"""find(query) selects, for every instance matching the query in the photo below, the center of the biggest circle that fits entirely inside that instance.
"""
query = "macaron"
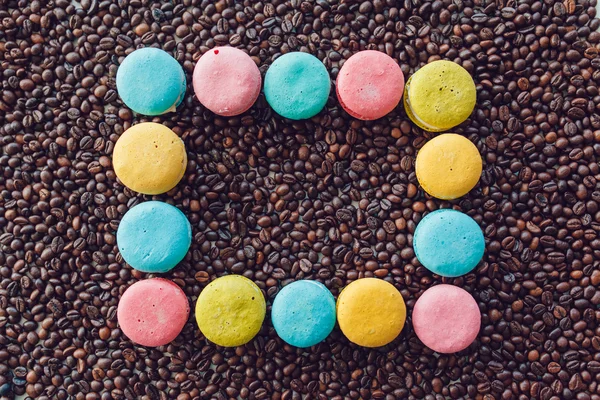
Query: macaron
(154, 237)
(153, 312)
(303, 313)
(446, 319)
(151, 82)
(371, 312)
(369, 85)
(448, 243)
(149, 158)
(226, 81)
(230, 310)
(448, 166)
(439, 96)
(297, 85)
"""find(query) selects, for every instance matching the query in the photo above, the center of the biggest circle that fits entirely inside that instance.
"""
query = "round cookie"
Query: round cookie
(149, 158)
(448, 166)
(226, 81)
(303, 313)
(153, 312)
(230, 310)
(369, 85)
(439, 96)
(446, 319)
(448, 243)
(371, 312)
(150, 81)
(297, 85)
(154, 237)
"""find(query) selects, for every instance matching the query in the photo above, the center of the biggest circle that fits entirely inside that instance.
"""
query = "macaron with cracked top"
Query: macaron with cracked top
(151, 82)
(371, 312)
(446, 318)
(448, 166)
(226, 81)
(369, 85)
(152, 312)
(439, 96)
(297, 85)
(149, 158)
(154, 237)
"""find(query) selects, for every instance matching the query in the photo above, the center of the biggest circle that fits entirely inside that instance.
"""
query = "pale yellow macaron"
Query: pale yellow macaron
(371, 312)
(149, 158)
(448, 166)
(230, 310)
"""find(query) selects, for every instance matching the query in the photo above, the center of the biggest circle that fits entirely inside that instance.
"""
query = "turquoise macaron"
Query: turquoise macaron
(303, 313)
(154, 237)
(297, 86)
(151, 82)
(448, 243)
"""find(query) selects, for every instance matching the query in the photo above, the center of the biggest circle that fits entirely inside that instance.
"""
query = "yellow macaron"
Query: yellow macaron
(448, 166)
(371, 312)
(149, 158)
(439, 96)
(230, 310)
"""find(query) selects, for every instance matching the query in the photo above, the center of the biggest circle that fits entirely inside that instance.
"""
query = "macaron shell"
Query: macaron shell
(153, 312)
(149, 158)
(371, 312)
(230, 310)
(154, 237)
(448, 166)
(369, 85)
(151, 82)
(303, 313)
(446, 319)
(297, 86)
(440, 96)
(226, 81)
(448, 243)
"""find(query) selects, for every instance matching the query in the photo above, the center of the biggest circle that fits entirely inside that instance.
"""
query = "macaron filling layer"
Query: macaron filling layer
(414, 116)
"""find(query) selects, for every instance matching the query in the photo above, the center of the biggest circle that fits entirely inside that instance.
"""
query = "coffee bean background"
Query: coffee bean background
(331, 198)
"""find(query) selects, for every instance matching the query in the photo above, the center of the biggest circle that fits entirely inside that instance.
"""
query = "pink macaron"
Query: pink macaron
(226, 81)
(153, 312)
(369, 85)
(446, 318)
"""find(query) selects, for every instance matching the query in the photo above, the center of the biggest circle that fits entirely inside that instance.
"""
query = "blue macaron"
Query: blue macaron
(151, 82)
(303, 313)
(297, 85)
(448, 243)
(154, 237)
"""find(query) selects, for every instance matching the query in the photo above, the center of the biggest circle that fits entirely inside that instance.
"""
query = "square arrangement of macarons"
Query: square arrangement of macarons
(153, 237)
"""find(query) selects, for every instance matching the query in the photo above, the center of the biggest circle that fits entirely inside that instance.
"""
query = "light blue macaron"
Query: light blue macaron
(448, 243)
(150, 81)
(154, 237)
(297, 85)
(303, 313)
